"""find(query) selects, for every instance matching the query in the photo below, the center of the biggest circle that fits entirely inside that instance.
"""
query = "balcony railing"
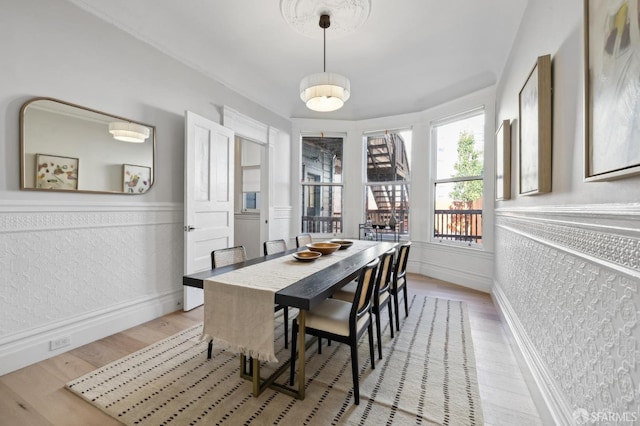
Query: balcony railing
(458, 225)
(322, 224)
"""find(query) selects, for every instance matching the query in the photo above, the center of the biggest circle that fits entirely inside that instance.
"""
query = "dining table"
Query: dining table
(239, 302)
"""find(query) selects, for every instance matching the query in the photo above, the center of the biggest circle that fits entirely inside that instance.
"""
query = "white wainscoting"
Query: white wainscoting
(567, 281)
(247, 233)
(83, 271)
(467, 267)
(281, 224)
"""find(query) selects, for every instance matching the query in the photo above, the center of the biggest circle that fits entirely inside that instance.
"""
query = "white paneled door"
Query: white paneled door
(208, 196)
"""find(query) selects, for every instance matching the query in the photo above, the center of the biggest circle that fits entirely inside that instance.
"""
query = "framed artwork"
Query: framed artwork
(534, 104)
(503, 161)
(55, 172)
(136, 179)
(612, 104)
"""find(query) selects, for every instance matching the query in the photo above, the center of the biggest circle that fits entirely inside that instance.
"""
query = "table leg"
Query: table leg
(259, 384)
(256, 377)
(301, 352)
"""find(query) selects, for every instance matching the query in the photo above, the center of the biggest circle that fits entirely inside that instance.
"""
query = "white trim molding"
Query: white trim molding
(31, 216)
(245, 126)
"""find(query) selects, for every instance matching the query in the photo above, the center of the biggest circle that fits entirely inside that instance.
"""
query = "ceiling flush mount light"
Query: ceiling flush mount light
(128, 132)
(325, 91)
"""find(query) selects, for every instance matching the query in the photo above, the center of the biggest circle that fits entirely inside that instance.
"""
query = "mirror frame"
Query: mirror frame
(85, 191)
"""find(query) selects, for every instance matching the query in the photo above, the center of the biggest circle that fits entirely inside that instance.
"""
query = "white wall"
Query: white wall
(461, 265)
(89, 265)
(567, 263)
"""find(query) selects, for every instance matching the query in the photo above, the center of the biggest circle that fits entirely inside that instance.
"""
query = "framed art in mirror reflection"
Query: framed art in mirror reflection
(136, 179)
(56, 172)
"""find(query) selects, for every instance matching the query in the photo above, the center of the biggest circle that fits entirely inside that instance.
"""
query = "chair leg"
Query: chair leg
(390, 317)
(294, 340)
(379, 333)
(209, 349)
(319, 346)
(354, 371)
(371, 351)
(286, 327)
(406, 302)
(395, 305)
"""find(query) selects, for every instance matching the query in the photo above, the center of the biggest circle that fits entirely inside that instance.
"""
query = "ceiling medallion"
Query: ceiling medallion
(346, 16)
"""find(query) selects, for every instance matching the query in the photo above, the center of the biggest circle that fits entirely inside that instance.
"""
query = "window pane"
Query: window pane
(460, 147)
(321, 209)
(321, 159)
(387, 157)
(251, 200)
(458, 211)
(388, 205)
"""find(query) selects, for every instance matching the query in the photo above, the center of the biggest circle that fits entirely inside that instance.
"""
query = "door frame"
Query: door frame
(248, 128)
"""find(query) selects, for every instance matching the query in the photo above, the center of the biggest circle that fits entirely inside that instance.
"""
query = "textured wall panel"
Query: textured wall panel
(574, 288)
(55, 265)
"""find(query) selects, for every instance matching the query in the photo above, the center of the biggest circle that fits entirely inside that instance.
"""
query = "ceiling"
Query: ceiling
(408, 55)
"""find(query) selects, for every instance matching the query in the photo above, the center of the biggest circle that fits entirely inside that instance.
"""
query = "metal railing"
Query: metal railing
(458, 225)
(322, 224)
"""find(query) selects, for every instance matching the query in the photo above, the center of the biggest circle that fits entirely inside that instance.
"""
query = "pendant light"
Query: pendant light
(128, 132)
(325, 91)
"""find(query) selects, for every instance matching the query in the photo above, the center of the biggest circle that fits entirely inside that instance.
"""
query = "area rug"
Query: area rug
(427, 376)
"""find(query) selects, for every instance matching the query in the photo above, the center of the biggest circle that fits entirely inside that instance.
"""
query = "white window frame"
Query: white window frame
(365, 182)
(340, 184)
(472, 112)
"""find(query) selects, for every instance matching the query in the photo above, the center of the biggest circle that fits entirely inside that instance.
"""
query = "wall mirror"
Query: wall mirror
(66, 147)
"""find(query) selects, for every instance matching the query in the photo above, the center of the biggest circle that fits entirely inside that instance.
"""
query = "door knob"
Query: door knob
(189, 228)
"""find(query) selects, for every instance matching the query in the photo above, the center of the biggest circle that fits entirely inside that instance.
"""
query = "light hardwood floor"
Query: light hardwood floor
(35, 395)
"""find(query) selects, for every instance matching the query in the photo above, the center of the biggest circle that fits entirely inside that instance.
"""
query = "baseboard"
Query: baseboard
(552, 406)
(458, 277)
(464, 266)
(30, 346)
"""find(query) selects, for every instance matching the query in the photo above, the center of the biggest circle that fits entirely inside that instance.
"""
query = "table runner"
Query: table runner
(238, 305)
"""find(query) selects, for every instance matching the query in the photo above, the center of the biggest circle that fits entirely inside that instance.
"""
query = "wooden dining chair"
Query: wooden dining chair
(273, 247)
(229, 256)
(381, 294)
(399, 281)
(225, 257)
(303, 239)
(343, 322)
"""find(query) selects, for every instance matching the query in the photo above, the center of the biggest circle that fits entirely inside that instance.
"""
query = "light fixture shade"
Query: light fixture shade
(325, 91)
(128, 132)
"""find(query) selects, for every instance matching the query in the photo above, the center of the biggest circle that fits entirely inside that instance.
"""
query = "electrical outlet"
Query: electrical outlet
(60, 342)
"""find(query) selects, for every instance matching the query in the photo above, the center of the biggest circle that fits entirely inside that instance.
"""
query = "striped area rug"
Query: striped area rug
(427, 376)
